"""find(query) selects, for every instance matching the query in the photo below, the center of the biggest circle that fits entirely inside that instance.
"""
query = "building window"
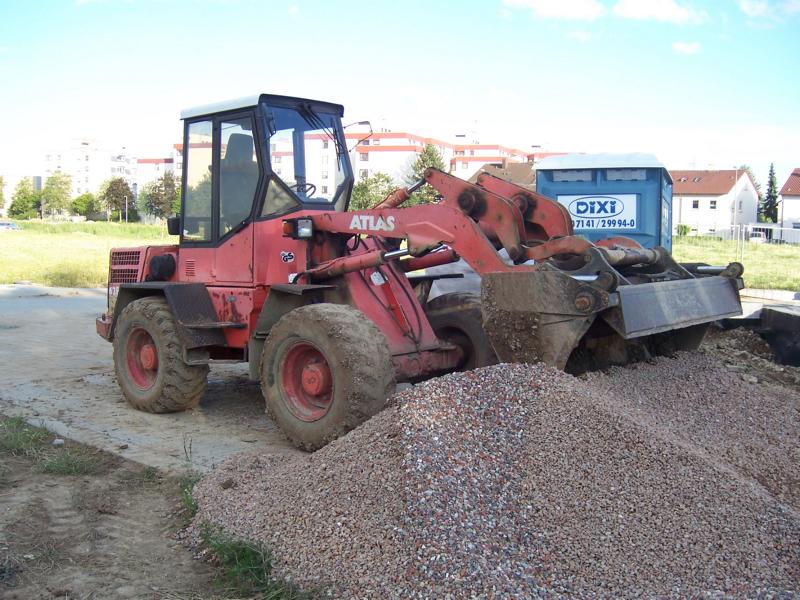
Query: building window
(465, 165)
(276, 159)
(713, 204)
(324, 144)
(695, 203)
(376, 142)
(365, 142)
(325, 159)
(472, 152)
(363, 156)
(363, 173)
(324, 189)
(740, 205)
(459, 153)
(277, 171)
(324, 174)
(795, 225)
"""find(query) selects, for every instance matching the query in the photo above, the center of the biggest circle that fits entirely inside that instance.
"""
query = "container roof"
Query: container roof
(599, 161)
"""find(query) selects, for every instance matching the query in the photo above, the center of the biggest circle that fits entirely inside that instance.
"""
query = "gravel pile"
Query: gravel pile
(522, 481)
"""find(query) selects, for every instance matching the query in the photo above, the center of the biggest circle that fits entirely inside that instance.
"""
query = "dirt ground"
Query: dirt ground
(105, 535)
(59, 372)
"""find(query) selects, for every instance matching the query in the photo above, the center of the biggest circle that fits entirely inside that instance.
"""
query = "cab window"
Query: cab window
(238, 173)
(197, 169)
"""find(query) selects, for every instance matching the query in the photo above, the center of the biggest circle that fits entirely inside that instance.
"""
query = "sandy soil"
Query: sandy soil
(59, 372)
(108, 535)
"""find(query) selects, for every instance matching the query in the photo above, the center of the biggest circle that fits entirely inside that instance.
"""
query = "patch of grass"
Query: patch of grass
(768, 266)
(144, 477)
(17, 438)
(246, 568)
(186, 486)
(70, 254)
(69, 461)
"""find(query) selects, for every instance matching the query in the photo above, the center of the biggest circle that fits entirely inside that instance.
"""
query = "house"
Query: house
(789, 207)
(713, 201)
(521, 174)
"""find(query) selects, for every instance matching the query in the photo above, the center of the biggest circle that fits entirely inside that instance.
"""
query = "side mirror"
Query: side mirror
(174, 225)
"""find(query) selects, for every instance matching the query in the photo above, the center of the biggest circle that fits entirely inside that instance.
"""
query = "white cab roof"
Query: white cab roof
(226, 105)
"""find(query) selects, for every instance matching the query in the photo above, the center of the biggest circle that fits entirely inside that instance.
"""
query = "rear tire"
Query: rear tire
(148, 359)
(325, 369)
(457, 318)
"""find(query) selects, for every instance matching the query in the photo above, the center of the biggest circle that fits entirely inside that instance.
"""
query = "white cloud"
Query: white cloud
(581, 36)
(686, 47)
(761, 11)
(668, 11)
(754, 8)
(293, 10)
(790, 7)
(575, 10)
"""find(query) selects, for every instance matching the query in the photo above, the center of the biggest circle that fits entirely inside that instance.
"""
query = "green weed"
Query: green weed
(17, 438)
(69, 461)
(246, 568)
(145, 477)
(186, 486)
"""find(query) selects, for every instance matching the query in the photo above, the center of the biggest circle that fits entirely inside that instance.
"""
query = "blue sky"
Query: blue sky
(700, 84)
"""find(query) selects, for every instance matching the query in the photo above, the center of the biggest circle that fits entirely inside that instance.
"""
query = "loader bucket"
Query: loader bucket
(544, 316)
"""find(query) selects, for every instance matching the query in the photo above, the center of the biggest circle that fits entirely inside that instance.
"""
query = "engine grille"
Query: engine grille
(125, 266)
(125, 257)
(124, 275)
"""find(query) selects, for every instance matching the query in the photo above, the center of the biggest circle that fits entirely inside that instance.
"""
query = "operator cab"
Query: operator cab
(260, 158)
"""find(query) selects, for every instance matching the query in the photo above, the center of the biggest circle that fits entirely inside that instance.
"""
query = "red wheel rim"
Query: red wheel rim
(141, 358)
(307, 382)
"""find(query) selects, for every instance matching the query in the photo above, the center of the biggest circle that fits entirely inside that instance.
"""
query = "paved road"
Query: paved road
(58, 372)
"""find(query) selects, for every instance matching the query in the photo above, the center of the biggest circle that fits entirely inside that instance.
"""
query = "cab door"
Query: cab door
(221, 177)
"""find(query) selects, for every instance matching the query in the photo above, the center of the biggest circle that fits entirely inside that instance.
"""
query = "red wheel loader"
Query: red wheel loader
(330, 308)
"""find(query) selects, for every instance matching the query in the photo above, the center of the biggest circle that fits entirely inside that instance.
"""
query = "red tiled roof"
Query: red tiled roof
(704, 183)
(792, 185)
(154, 161)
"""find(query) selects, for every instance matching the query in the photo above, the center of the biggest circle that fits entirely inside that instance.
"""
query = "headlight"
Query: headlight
(302, 229)
(305, 228)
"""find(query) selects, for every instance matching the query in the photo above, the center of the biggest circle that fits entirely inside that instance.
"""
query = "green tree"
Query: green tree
(56, 193)
(114, 195)
(429, 157)
(2, 194)
(25, 202)
(85, 205)
(371, 190)
(161, 195)
(768, 209)
(176, 205)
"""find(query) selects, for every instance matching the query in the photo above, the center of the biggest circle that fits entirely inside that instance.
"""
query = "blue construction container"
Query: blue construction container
(612, 194)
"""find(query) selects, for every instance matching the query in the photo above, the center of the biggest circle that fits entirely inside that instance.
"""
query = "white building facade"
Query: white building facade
(89, 165)
(393, 153)
(713, 201)
(789, 206)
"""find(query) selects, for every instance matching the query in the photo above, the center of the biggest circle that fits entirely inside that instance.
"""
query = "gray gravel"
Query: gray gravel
(522, 481)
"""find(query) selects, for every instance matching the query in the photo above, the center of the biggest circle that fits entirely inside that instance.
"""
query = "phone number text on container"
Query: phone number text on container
(604, 223)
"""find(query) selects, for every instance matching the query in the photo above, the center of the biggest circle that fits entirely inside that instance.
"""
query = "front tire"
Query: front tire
(325, 369)
(456, 318)
(148, 359)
